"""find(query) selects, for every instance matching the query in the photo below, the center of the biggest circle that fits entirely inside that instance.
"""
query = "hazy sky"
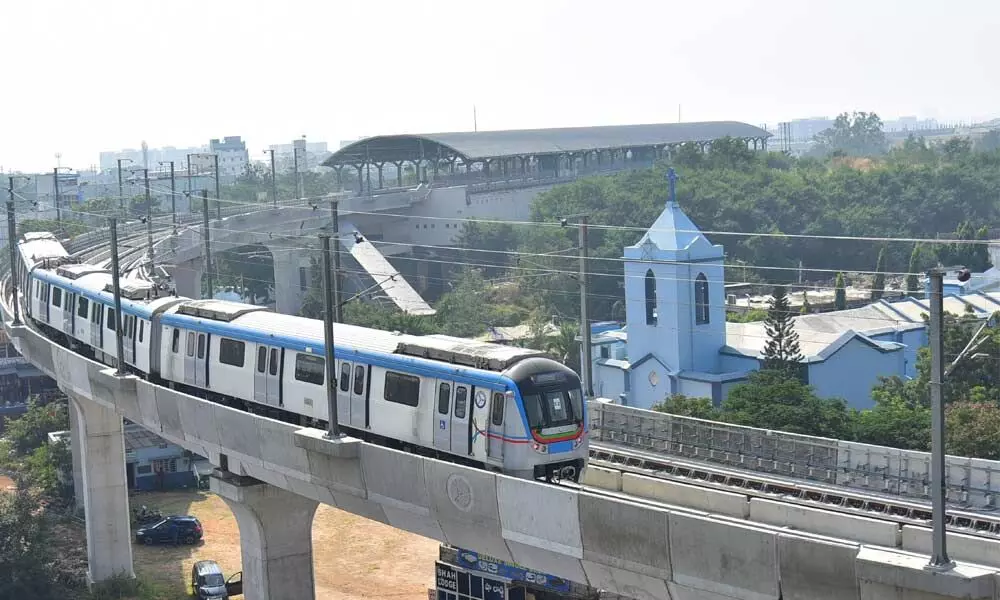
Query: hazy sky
(81, 77)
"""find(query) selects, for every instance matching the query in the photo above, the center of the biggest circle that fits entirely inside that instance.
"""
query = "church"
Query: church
(676, 339)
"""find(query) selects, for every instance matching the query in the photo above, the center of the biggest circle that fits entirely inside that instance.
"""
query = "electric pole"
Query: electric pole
(207, 237)
(335, 216)
(274, 181)
(586, 363)
(333, 425)
(115, 276)
(218, 195)
(149, 225)
(295, 165)
(55, 183)
(173, 196)
(12, 246)
(121, 189)
(939, 548)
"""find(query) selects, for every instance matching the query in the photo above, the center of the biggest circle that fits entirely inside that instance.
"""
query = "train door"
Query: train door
(496, 426)
(128, 344)
(69, 308)
(275, 362)
(46, 307)
(461, 434)
(201, 361)
(190, 365)
(81, 324)
(442, 418)
(358, 404)
(480, 422)
(344, 393)
(95, 325)
(267, 376)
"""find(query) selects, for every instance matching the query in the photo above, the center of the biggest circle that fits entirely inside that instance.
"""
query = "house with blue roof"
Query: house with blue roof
(676, 339)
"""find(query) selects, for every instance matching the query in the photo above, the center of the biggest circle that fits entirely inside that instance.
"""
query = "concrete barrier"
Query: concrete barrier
(824, 522)
(606, 479)
(713, 501)
(816, 569)
(970, 548)
(895, 575)
(724, 558)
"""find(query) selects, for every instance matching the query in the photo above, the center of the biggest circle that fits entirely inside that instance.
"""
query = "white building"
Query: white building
(109, 159)
(233, 156)
(310, 155)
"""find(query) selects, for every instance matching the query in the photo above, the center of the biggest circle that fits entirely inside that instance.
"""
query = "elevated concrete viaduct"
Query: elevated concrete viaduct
(273, 474)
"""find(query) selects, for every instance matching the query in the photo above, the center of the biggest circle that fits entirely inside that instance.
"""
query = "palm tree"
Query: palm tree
(564, 345)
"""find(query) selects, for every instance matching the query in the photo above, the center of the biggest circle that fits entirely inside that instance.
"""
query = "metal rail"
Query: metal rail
(757, 485)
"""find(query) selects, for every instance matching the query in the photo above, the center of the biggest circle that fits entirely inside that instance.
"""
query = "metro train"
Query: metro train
(506, 409)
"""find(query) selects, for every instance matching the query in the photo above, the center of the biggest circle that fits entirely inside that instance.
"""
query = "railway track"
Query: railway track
(756, 485)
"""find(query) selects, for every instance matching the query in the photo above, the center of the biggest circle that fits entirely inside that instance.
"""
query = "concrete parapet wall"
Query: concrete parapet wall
(970, 482)
(599, 477)
(712, 501)
(968, 548)
(825, 522)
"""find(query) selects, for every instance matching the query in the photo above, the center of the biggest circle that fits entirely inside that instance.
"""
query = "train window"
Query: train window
(402, 389)
(201, 345)
(190, 344)
(81, 308)
(359, 379)
(261, 358)
(231, 352)
(461, 401)
(309, 368)
(498, 402)
(110, 321)
(141, 329)
(345, 376)
(273, 368)
(444, 398)
(175, 343)
(56, 297)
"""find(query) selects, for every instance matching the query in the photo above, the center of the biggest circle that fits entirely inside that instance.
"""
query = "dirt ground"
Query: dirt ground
(354, 558)
(6, 483)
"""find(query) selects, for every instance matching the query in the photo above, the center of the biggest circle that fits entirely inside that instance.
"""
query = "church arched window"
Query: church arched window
(701, 299)
(650, 298)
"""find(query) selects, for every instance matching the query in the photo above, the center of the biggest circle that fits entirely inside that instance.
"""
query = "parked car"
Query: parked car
(208, 582)
(188, 529)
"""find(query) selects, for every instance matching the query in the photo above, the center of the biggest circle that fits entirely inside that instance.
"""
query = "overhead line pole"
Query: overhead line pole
(115, 279)
(12, 246)
(333, 425)
(207, 237)
(149, 225)
(218, 195)
(586, 363)
(939, 547)
(337, 283)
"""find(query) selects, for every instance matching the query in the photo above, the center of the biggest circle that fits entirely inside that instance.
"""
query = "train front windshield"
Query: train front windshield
(552, 400)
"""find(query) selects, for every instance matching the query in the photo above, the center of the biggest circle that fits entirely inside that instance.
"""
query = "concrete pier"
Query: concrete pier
(101, 449)
(275, 537)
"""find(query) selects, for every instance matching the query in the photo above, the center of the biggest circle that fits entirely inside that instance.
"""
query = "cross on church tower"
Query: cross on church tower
(672, 178)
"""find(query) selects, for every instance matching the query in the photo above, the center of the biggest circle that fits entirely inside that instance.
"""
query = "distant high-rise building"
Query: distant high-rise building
(152, 156)
(310, 154)
(233, 156)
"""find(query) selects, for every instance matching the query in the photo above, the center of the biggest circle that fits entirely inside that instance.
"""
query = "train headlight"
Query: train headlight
(540, 448)
(578, 441)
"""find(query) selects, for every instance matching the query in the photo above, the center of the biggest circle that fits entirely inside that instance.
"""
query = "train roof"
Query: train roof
(97, 286)
(39, 246)
(308, 334)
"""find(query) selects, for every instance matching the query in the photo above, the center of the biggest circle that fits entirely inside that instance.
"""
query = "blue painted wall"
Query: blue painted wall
(853, 371)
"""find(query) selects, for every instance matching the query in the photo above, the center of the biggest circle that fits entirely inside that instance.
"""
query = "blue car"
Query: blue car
(174, 529)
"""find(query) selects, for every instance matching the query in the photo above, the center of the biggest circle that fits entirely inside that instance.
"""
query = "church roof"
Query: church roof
(673, 230)
(749, 339)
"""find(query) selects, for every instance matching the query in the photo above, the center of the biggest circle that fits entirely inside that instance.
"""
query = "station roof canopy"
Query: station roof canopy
(475, 146)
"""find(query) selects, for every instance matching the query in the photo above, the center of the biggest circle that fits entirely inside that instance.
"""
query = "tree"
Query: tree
(773, 400)
(31, 430)
(878, 287)
(912, 279)
(564, 345)
(858, 134)
(840, 293)
(973, 429)
(25, 549)
(686, 406)
(781, 352)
